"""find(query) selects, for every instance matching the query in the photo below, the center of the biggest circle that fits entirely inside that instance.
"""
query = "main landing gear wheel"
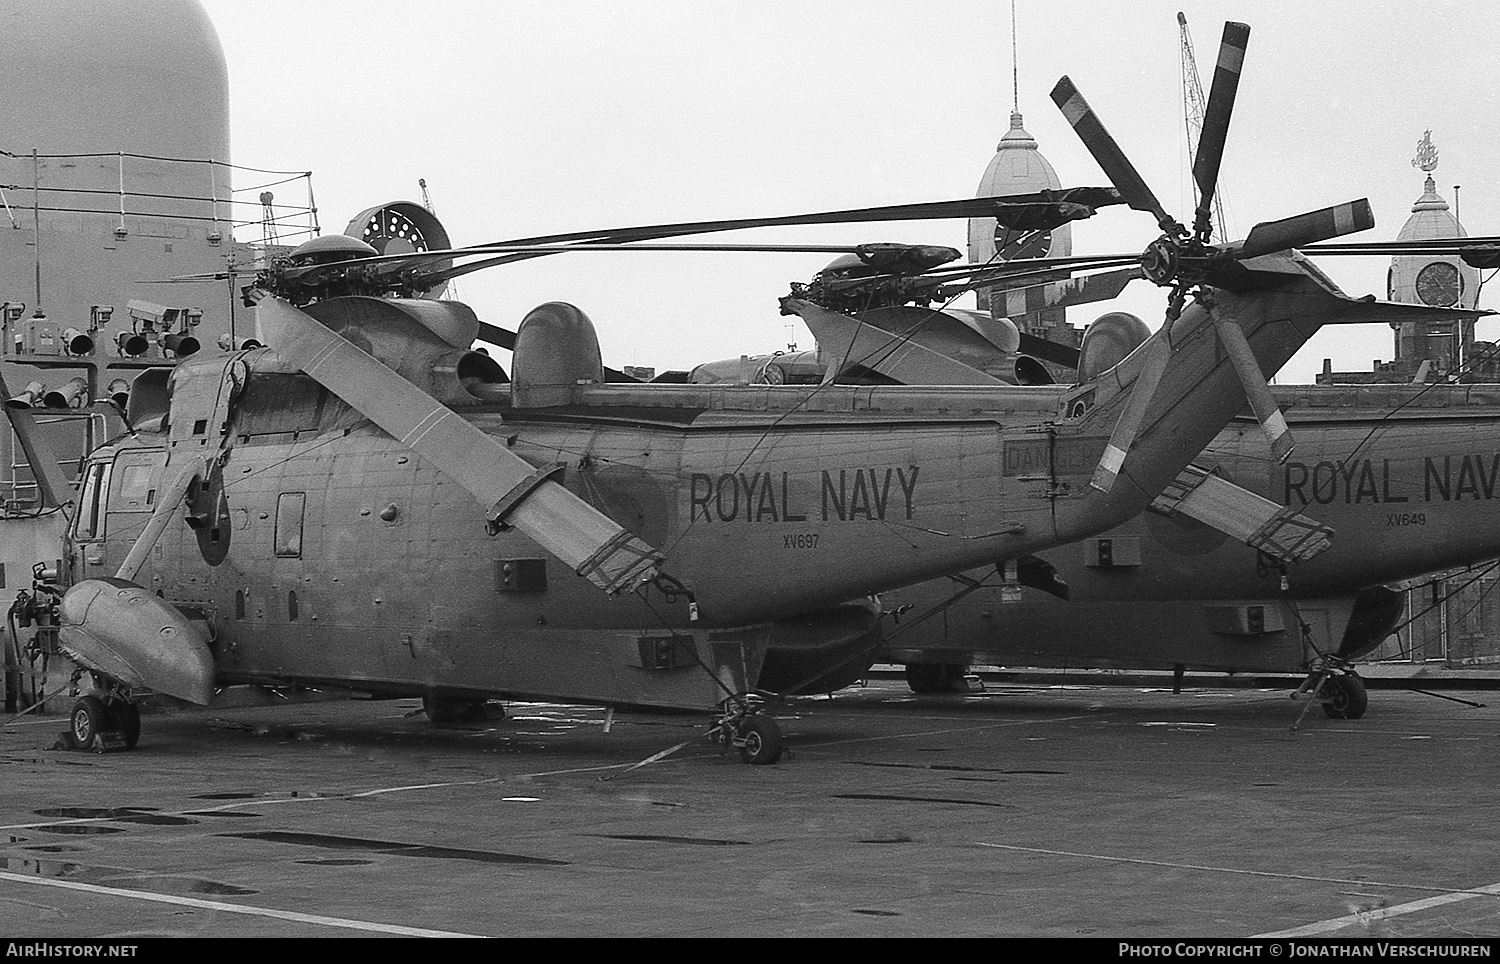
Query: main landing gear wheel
(1347, 699)
(740, 724)
(759, 740)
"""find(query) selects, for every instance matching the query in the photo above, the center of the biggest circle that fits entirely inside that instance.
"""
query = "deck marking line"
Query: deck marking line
(358, 925)
(1481, 892)
(948, 732)
(1381, 913)
(237, 805)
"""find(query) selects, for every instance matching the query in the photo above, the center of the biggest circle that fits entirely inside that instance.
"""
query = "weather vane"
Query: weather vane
(1427, 155)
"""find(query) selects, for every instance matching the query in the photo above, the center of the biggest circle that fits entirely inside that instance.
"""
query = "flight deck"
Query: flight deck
(1035, 810)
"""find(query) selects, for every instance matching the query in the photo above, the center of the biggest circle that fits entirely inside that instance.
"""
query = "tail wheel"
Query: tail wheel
(1347, 697)
(88, 719)
(762, 742)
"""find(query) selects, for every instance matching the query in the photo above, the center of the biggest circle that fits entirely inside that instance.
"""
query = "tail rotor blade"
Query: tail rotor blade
(1216, 116)
(1309, 228)
(1121, 173)
(1129, 425)
(1262, 402)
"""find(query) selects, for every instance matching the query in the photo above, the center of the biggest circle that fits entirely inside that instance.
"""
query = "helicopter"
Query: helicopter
(1235, 603)
(370, 504)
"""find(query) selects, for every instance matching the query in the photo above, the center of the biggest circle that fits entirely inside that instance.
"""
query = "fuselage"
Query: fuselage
(1405, 475)
(326, 551)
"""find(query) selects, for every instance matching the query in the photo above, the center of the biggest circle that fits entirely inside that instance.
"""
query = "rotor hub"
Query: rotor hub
(1161, 260)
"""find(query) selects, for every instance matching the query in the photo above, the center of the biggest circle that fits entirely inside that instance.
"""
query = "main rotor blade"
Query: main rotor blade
(1257, 389)
(1117, 167)
(1216, 115)
(1310, 228)
(1032, 272)
(1052, 351)
(1070, 202)
(1458, 246)
(1082, 290)
(515, 491)
(1159, 352)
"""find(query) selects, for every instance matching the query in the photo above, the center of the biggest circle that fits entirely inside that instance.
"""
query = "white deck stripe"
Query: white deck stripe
(287, 915)
(1381, 913)
(1479, 892)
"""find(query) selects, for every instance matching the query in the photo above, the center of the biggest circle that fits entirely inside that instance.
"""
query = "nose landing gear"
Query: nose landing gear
(103, 723)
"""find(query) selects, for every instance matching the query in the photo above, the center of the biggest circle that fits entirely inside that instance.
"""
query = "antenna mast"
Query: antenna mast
(451, 292)
(1193, 106)
(1015, 70)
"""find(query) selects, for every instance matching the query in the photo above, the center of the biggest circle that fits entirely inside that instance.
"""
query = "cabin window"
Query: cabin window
(91, 511)
(135, 481)
(291, 606)
(239, 604)
(133, 491)
(289, 510)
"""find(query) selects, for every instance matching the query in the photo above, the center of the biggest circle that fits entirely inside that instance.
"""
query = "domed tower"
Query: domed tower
(1438, 280)
(1019, 168)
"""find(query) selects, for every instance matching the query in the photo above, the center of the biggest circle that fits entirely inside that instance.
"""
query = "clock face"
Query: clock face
(1011, 244)
(1437, 284)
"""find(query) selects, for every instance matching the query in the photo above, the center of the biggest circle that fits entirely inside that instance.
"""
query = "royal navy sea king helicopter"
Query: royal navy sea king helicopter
(370, 504)
(1404, 474)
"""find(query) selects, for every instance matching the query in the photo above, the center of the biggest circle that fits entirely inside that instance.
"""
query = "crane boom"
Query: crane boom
(1193, 107)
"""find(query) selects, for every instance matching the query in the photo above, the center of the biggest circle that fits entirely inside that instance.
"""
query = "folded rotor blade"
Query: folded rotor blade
(1051, 351)
(1310, 228)
(912, 346)
(1257, 390)
(1216, 115)
(515, 491)
(1159, 352)
(496, 335)
(1117, 167)
(1082, 290)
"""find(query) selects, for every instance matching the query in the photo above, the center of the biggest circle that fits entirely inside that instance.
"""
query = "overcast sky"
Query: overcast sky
(529, 118)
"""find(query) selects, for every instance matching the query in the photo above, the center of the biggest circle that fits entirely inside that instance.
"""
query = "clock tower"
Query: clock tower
(1439, 280)
(1019, 168)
